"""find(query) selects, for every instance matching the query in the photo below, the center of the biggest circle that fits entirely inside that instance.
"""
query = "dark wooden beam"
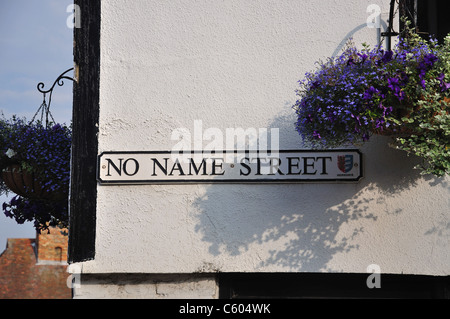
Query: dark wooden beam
(83, 194)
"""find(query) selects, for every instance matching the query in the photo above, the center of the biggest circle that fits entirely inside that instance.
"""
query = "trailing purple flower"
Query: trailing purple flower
(359, 93)
(45, 152)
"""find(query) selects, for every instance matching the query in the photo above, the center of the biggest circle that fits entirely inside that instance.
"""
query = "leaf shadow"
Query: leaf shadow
(298, 227)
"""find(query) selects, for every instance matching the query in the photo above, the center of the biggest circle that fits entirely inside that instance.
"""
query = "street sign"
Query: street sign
(286, 166)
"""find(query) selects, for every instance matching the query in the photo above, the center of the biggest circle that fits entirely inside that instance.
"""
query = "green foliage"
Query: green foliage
(429, 122)
(403, 93)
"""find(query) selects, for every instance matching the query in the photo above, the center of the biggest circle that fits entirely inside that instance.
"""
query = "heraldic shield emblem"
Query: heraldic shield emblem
(345, 163)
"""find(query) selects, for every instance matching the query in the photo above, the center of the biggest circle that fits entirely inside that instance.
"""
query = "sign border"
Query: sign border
(232, 181)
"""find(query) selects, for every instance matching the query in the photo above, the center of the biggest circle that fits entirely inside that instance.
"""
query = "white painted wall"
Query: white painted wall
(234, 63)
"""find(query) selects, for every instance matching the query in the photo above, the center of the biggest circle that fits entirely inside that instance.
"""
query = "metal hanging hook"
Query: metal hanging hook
(45, 108)
(390, 33)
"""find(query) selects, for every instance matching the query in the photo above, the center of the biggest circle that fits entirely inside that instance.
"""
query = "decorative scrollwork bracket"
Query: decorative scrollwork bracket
(44, 109)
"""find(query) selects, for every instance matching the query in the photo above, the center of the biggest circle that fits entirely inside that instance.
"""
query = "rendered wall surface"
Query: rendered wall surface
(235, 64)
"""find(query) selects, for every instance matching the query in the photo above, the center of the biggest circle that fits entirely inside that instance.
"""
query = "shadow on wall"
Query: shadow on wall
(299, 224)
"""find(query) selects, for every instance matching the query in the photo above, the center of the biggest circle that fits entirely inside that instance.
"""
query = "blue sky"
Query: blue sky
(36, 45)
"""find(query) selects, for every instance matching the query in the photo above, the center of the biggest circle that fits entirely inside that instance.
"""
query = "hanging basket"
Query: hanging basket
(400, 111)
(394, 132)
(408, 130)
(27, 184)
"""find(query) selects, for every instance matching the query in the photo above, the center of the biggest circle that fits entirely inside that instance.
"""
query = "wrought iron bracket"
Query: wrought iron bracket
(44, 109)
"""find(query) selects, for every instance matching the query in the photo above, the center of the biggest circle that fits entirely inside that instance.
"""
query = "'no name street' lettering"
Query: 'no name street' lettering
(229, 167)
